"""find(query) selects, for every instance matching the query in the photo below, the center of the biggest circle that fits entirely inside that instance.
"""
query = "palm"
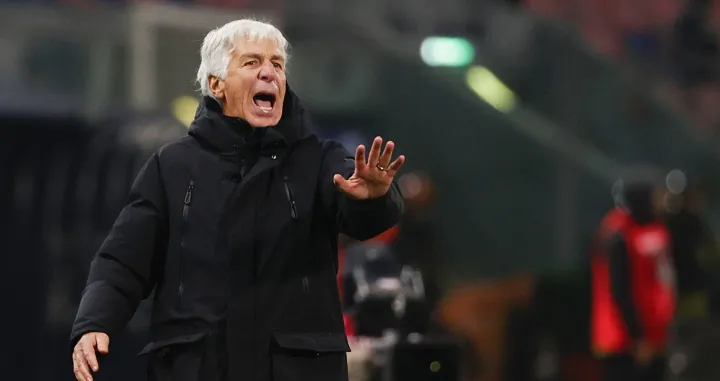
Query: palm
(372, 178)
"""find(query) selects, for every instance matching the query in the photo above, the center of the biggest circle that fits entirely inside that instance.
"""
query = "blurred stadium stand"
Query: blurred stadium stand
(68, 178)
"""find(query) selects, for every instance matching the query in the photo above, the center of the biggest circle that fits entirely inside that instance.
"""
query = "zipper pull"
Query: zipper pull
(188, 194)
(291, 199)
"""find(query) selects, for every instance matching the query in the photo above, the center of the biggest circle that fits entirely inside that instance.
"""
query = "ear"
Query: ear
(217, 87)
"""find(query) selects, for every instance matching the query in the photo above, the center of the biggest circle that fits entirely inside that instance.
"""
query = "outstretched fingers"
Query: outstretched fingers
(395, 166)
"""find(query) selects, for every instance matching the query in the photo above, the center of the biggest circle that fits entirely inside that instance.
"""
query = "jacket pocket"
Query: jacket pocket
(176, 359)
(309, 357)
(164, 346)
(290, 198)
(183, 239)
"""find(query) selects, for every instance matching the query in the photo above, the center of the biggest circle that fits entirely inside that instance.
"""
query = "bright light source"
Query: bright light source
(676, 181)
(447, 51)
(183, 108)
(491, 89)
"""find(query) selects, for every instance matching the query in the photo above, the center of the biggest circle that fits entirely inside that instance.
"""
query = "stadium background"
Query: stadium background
(520, 113)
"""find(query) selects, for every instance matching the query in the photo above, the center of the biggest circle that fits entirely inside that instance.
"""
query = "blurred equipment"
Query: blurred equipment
(389, 318)
(383, 294)
(413, 357)
(424, 359)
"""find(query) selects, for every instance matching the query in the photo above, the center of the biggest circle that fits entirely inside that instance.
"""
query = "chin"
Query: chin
(263, 120)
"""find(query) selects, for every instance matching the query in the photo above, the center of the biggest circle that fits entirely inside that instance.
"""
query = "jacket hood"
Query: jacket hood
(228, 133)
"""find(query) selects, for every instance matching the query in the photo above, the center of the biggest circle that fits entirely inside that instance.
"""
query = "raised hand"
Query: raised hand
(371, 179)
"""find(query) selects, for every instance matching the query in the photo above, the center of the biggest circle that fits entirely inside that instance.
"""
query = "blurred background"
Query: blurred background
(517, 117)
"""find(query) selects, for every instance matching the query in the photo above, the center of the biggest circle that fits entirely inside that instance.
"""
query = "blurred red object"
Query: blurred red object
(387, 237)
(349, 326)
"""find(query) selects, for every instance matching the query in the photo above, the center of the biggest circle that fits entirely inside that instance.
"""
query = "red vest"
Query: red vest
(652, 284)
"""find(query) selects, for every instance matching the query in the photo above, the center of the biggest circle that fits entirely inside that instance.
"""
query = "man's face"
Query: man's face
(254, 88)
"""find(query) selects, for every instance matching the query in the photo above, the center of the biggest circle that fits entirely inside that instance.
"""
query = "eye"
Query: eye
(251, 63)
(278, 65)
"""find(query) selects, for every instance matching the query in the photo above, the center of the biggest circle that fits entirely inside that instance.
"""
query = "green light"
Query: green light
(490, 88)
(447, 51)
(435, 366)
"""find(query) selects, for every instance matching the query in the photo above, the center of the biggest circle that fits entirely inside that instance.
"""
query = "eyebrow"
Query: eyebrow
(260, 57)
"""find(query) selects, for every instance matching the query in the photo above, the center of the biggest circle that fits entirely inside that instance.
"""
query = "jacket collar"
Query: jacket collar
(228, 134)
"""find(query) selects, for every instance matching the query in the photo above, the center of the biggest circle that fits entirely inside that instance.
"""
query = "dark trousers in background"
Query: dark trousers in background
(624, 368)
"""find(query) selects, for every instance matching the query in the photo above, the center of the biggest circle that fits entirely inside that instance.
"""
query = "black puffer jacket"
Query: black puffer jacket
(235, 229)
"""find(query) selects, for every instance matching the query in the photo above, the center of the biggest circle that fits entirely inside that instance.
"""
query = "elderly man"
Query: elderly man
(235, 229)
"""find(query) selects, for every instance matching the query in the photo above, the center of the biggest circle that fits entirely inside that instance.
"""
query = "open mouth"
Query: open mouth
(265, 101)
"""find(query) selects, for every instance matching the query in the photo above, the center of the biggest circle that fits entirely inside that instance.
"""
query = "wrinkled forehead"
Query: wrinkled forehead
(261, 47)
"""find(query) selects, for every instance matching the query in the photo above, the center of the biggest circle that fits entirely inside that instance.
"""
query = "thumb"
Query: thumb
(103, 343)
(340, 182)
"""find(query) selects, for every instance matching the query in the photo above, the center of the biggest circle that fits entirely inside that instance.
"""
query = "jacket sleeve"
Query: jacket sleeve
(359, 219)
(125, 269)
(620, 284)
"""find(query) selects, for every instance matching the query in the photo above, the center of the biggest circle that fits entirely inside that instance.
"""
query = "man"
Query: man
(633, 283)
(694, 251)
(235, 229)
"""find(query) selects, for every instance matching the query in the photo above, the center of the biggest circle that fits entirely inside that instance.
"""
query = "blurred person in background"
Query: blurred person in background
(235, 228)
(633, 294)
(694, 251)
(696, 55)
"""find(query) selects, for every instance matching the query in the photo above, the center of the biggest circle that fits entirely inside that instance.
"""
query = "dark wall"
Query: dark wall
(64, 181)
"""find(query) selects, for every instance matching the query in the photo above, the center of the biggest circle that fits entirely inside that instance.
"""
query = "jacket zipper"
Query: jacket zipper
(305, 285)
(183, 235)
(291, 199)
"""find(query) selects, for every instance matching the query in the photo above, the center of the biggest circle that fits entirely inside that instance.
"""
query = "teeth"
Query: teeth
(266, 109)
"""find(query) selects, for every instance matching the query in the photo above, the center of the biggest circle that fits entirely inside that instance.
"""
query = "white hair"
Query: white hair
(219, 43)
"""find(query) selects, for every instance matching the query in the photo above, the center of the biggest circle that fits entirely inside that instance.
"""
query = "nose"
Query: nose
(267, 73)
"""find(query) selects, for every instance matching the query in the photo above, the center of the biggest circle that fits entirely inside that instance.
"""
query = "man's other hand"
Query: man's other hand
(371, 179)
(84, 357)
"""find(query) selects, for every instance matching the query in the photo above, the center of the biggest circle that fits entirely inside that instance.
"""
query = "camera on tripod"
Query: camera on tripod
(386, 301)
(381, 294)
